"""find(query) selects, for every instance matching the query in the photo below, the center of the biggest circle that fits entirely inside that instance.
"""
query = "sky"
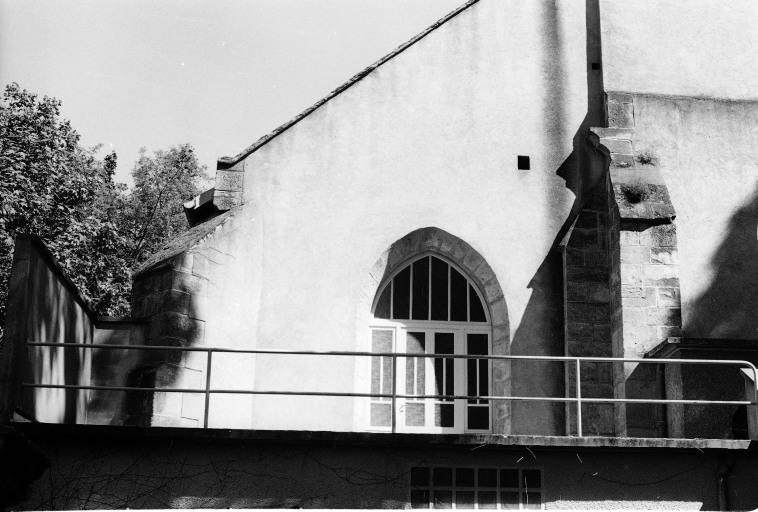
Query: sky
(218, 74)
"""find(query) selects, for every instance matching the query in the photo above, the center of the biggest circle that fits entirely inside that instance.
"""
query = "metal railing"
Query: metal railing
(578, 399)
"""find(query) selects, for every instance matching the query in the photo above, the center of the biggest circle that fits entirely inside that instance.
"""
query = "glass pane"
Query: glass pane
(443, 342)
(438, 377)
(443, 499)
(509, 500)
(439, 289)
(381, 341)
(464, 499)
(478, 418)
(532, 479)
(420, 499)
(487, 499)
(387, 376)
(509, 478)
(401, 294)
(381, 415)
(464, 477)
(420, 477)
(458, 285)
(444, 415)
(414, 414)
(414, 367)
(449, 377)
(484, 378)
(477, 310)
(416, 342)
(442, 477)
(532, 500)
(477, 344)
(383, 305)
(487, 477)
(471, 379)
(421, 289)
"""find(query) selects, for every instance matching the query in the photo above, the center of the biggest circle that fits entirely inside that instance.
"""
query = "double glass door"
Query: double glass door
(441, 375)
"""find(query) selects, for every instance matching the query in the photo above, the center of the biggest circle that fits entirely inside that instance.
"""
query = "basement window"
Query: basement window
(470, 488)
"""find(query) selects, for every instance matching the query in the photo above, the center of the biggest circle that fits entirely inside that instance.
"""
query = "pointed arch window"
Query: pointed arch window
(431, 307)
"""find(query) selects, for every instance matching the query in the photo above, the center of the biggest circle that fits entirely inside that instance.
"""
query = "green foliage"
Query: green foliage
(53, 188)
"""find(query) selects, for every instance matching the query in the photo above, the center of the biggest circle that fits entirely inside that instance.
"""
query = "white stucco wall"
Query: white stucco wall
(702, 48)
(430, 138)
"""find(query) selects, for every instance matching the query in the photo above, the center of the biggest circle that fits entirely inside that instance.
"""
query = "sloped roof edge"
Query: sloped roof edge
(225, 162)
(184, 242)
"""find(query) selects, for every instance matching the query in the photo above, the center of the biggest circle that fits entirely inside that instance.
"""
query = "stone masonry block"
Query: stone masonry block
(664, 316)
(639, 338)
(484, 273)
(492, 291)
(662, 275)
(669, 297)
(664, 255)
(645, 298)
(574, 256)
(229, 180)
(601, 333)
(177, 325)
(577, 291)
(622, 160)
(632, 275)
(620, 115)
(663, 235)
(595, 259)
(627, 237)
(599, 292)
(584, 238)
(226, 200)
(635, 254)
(620, 97)
(189, 283)
(634, 315)
(587, 274)
(618, 146)
(579, 331)
(632, 292)
(472, 261)
(590, 313)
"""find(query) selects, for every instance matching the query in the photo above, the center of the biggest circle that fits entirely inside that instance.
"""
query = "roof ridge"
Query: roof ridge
(225, 162)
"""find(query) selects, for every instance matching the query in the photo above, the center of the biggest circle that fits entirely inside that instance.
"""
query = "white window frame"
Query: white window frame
(460, 331)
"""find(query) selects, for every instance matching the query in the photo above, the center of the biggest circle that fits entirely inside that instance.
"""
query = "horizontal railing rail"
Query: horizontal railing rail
(578, 399)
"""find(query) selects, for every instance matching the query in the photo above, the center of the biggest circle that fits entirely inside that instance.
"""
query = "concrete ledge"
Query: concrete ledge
(475, 441)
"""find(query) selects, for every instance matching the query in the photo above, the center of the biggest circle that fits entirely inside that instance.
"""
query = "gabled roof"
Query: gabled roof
(225, 162)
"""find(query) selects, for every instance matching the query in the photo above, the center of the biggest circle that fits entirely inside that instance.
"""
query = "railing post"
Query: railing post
(207, 386)
(578, 399)
(394, 391)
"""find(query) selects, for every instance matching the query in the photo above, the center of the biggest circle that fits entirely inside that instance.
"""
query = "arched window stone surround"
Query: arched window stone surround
(437, 241)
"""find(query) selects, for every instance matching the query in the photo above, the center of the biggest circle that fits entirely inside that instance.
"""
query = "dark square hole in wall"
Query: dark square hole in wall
(523, 163)
(595, 66)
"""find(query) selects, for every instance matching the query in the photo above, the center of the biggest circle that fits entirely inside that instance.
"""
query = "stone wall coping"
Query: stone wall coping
(47, 430)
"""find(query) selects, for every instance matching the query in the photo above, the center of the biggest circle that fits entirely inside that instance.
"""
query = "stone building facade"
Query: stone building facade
(503, 185)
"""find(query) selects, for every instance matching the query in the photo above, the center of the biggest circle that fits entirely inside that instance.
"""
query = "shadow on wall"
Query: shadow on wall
(729, 307)
(541, 329)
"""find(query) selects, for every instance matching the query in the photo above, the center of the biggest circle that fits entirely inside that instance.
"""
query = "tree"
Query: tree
(52, 187)
(155, 213)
